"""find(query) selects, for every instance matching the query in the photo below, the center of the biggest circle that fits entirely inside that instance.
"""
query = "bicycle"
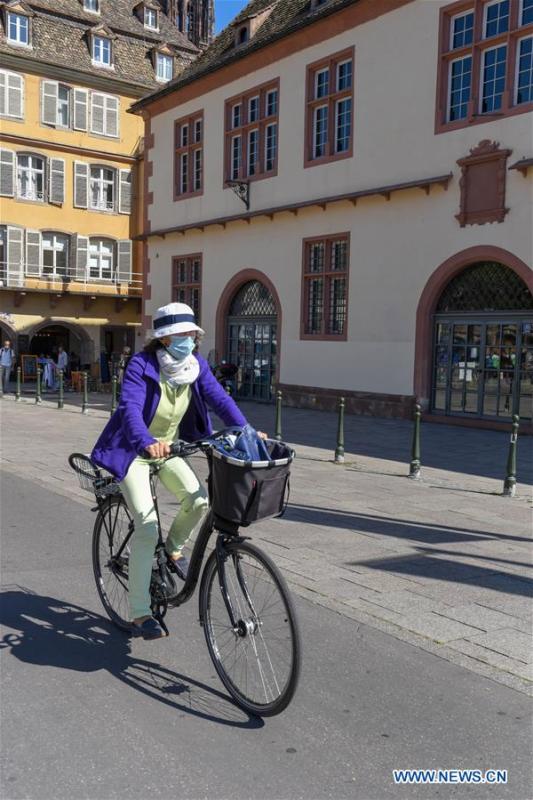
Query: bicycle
(245, 608)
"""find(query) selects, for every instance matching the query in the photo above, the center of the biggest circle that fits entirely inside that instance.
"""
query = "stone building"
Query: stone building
(350, 203)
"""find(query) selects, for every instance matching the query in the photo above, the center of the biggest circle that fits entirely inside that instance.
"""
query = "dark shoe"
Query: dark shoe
(150, 629)
(181, 566)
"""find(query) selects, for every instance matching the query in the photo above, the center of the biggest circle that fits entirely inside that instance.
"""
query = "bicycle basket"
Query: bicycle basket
(243, 492)
(91, 478)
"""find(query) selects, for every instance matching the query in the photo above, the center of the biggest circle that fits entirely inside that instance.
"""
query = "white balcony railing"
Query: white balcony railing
(16, 276)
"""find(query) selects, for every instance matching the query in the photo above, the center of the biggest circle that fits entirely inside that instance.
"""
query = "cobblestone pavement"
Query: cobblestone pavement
(444, 563)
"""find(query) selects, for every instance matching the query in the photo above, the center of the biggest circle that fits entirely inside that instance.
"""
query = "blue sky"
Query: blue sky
(225, 10)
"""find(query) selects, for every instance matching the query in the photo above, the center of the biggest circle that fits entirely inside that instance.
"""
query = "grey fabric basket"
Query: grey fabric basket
(244, 492)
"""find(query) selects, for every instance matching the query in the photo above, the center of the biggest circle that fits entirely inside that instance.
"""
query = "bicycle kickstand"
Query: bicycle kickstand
(159, 617)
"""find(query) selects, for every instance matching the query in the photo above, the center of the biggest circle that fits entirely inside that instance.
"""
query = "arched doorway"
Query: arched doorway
(252, 340)
(482, 362)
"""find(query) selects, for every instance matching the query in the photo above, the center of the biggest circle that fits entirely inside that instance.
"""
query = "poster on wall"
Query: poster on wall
(29, 368)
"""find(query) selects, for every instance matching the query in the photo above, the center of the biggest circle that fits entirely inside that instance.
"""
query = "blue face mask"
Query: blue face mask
(181, 346)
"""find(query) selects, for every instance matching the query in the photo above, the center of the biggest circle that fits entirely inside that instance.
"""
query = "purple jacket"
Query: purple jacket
(126, 435)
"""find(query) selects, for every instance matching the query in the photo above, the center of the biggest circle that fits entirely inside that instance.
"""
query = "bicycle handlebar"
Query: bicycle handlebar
(181, 448)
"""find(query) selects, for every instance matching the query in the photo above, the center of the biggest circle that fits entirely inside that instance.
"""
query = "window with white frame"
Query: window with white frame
(102, 189)
(493, 78)
(30, 177)
(164, 67)
(55, 254)
(101, 259)
(251, 132)
(330, 108)
(460, 82)
(189, 135)
(524, 77)
(18, 29)
(92, 5)
(150, 19)
(102, 51)
(485, 61)
(496, 18)
(63, 106)
(105, 110)
(11, 95)
(526, 12)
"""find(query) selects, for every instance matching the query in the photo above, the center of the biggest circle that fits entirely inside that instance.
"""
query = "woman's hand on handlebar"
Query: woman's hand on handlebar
(262, 435)
(158, 450)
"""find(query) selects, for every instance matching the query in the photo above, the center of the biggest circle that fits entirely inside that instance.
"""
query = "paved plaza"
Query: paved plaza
(444, 563)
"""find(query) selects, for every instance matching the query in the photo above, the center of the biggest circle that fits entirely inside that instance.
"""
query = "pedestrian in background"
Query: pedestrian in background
(123, 363)
(7, 363)
(62, 359)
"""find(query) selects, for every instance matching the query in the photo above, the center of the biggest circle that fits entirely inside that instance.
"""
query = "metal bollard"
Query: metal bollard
(18, 393)
(60, 402)
(114, 383)
(277, 433)
(85, 401)
(38, 398)
(339, 450)
(414, 468)
(509, 484)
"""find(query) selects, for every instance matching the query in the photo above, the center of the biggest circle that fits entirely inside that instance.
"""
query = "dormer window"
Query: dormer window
(92, 5)
(318, 3)
(101, 51)
(164, 67)
(244, 35)
(18, 25)
(246, 26)
(150, 18)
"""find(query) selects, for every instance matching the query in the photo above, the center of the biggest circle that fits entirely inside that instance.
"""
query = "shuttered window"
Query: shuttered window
(56, 189)
(80, 110)
(124, 261)
(33, 253)
(124, 199)
(31, 174)
(101, 259)
(102, 189)
(15, 256)
(81, 184)
(55, 255)
(104, 114)
(11, 95)
(7, 173)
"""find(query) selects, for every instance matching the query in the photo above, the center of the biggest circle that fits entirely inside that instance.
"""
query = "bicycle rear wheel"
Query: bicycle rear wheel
(111, 559)
(258, 660)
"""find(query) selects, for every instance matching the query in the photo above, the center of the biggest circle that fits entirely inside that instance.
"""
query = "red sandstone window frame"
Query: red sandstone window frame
(476, 49)
(190, 149)
(327, 274)
(243, 130)
(330, 63)
(191, 283)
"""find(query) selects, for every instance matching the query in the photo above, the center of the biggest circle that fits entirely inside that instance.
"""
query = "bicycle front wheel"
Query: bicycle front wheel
(258, 659)
(111, 552)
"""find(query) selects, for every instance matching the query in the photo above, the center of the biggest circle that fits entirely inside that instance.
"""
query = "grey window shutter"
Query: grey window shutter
(111, 116)
(11, 94)
(124, 194)
(124, 261)
(33, 253)
(15, 256)
(81, 184)
(97, 113)
(81, 255)
(3, 93)
(7, 173)
(81, 109)
(56, 191)
(49, 93)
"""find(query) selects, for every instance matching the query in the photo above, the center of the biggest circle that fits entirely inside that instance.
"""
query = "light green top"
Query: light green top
(170, 411)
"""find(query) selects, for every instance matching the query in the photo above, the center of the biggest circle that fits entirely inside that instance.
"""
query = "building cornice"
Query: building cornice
(106, 83)
(523, 165)
(90, 152)
(321, 202)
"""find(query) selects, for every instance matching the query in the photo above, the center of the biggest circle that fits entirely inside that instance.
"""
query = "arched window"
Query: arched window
(487, 286)
(253, 300)
(243, 35)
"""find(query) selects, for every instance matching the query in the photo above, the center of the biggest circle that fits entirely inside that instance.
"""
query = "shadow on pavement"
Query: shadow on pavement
(442, 569)
(52, 633)
(428, 533)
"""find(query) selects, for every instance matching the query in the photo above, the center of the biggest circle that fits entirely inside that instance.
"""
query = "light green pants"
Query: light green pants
(180, 480)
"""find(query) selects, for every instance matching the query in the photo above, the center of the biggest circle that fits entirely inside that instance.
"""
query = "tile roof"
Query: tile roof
(285, 17)
(60, 36)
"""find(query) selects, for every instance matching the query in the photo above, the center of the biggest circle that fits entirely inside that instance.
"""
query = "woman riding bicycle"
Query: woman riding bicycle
(165, 393)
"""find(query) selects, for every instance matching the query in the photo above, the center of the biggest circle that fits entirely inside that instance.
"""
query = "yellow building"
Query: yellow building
(71, 169)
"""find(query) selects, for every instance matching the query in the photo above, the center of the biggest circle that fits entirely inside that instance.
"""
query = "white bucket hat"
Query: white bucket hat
(174, 318)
